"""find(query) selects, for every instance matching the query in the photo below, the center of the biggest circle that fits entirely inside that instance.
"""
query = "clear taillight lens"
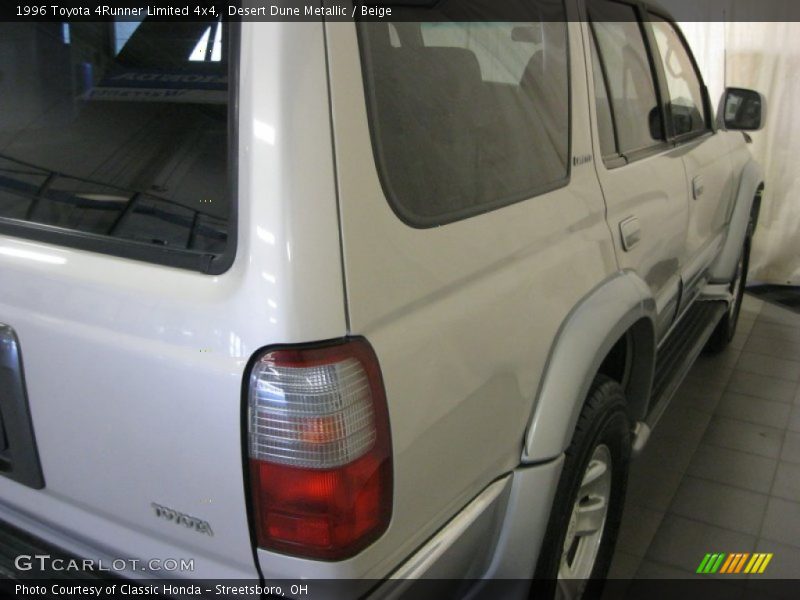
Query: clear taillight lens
(318, 417)
(319, 448)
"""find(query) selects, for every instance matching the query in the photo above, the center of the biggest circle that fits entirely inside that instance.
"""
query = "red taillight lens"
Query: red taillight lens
(320, 450)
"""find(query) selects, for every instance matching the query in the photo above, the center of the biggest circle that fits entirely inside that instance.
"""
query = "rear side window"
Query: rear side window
(629, 77)
(114, 137)
(467, 116)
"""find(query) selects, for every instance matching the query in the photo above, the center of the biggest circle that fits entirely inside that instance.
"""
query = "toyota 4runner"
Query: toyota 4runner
(377, 300)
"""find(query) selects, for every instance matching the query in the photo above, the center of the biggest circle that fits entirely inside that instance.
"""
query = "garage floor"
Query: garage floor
(722, 470)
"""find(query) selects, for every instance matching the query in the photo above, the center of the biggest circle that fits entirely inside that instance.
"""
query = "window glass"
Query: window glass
(630, 78)
(605, 122)
(685, 109)
(467, 116)
(117, 130)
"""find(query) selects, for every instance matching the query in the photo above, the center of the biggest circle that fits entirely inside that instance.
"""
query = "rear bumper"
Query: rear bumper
(490, 548)
(24, 557)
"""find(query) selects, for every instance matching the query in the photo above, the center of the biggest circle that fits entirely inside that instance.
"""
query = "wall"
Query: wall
(765, 56)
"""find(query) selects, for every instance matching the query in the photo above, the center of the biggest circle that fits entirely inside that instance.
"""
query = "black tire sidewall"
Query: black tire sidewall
(603, 420)
(732, 322)
(726, 329)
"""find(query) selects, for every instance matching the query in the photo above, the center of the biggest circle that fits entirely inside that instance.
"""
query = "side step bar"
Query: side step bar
(675, 358)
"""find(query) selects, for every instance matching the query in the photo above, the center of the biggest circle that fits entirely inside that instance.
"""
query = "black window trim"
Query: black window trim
(595, 50)
(707, 112)
(205, 262)
(419, 222)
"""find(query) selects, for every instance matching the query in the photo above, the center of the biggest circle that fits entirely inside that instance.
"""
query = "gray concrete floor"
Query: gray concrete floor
(721, 472)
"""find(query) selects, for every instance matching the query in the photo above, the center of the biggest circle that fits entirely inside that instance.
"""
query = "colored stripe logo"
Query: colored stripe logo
(732, 564)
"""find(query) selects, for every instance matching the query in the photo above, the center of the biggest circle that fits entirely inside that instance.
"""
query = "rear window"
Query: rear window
(114, 137)
(467, 117)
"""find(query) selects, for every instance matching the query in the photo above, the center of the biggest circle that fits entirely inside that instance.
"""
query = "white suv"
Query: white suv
(342, 300)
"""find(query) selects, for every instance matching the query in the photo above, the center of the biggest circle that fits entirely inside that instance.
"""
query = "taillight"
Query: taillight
(320, 450)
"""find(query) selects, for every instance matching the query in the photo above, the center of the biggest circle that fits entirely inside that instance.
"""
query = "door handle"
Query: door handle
(630, 232)
(698, 187)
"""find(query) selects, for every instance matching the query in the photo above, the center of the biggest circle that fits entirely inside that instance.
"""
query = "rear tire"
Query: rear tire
(726, 329)
(580, 538)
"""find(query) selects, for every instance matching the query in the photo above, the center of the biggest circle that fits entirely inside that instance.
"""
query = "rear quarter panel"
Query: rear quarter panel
(462, 316)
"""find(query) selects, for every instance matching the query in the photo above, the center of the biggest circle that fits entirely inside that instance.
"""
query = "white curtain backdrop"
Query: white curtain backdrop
(764, 56)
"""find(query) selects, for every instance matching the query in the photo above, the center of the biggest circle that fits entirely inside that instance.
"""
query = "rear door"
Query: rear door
(121, 171)
(641, 173)
(705, 153)
(113, 147)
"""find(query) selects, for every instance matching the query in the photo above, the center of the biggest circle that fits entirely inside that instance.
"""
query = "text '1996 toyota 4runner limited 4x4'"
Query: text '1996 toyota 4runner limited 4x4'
(374, 301)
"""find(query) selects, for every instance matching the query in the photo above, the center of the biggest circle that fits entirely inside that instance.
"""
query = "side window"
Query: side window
(685, 110)
(629, 77)
(467, 117)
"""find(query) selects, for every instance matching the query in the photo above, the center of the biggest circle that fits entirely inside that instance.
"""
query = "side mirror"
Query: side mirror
(743, 110)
